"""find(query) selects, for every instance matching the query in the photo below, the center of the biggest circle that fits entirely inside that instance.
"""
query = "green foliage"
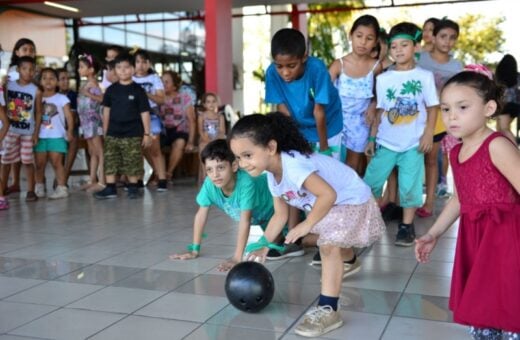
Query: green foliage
(479, 37)
(322, 27)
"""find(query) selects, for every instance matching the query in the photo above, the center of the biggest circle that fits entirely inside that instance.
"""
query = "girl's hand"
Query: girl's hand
(189, 147)
(297, 232)
(70, 137)
(424, 246)
(227, 265)
(258, 256)
(370, 116)
(147, 141)
(370, 149)
(185, 256)
(35, 138)
(426, 142)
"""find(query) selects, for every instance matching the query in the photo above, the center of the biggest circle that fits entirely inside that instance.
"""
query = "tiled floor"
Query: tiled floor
(84, 269)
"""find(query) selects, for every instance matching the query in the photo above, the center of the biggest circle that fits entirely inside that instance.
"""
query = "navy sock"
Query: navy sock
(328, 301)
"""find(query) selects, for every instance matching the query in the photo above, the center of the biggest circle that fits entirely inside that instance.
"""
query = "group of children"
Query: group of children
(286, 171)
(299, 150)
(44, 119)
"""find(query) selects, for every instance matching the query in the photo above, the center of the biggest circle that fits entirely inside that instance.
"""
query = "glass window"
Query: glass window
(114, 36)
(171, 30)
(154, 44)
(154, 28)
(91, 33)
(133, 39)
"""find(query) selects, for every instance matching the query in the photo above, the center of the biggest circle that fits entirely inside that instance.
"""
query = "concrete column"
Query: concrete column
(219, 55)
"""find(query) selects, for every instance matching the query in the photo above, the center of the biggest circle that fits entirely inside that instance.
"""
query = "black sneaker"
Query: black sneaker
(140, 184)
(405, 235)
(291, 250)
(108, 192)
(392, 212)
(316, 259)
(162, 186)
(133, 192)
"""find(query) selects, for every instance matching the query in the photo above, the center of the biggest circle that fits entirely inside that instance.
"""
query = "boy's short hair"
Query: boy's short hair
(446, 23)
(288, 41)
(406, 30)
(25, 59)
(111, 65)
(217, 150)
(124, 57)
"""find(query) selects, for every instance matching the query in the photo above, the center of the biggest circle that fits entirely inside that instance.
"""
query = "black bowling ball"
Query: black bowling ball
(249, 286)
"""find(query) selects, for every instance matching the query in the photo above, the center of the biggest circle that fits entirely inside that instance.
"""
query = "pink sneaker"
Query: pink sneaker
(4, 204)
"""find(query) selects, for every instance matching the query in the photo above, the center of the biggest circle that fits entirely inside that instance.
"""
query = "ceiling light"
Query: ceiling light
(60, 6)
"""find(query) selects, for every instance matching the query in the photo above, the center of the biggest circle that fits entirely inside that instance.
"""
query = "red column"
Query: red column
(219, 56)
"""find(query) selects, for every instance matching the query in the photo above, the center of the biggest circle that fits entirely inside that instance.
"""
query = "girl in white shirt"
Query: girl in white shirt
(339, 205)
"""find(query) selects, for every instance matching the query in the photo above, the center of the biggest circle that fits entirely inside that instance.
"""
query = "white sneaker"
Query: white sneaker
(60, 192)
(39, 190)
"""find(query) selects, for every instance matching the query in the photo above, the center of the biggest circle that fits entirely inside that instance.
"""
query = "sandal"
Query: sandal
(423, 213)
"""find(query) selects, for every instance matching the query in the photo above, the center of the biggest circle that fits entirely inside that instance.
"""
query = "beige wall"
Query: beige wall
(47, 33)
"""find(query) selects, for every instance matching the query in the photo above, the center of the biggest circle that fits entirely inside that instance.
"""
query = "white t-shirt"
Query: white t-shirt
(20, 107)
(150, 84)
(404, 97)
(350, 189)
(53, 116)
(105, 83)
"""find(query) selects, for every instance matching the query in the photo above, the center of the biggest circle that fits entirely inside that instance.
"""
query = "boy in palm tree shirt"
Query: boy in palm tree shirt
(403, 132)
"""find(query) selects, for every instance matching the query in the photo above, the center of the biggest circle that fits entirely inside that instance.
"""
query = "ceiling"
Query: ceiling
(95, 8)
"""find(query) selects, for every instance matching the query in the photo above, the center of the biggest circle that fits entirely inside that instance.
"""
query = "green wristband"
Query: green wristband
(372, 139)
(193, 247)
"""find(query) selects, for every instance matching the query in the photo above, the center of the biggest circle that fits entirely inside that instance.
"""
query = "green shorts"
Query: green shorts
(123, 155)
(410, 165)
(58, 145)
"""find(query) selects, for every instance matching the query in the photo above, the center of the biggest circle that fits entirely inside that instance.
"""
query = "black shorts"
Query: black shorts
(170, 135)
(438, 137)
(512, 109)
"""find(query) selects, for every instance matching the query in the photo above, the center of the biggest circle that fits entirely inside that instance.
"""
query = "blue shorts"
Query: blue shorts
(410, 165)
(58, 145)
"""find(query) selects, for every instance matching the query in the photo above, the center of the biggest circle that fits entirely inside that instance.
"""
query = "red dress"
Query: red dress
(485, 287)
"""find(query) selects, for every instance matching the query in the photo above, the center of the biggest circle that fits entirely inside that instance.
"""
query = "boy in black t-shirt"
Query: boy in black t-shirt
(126, 123)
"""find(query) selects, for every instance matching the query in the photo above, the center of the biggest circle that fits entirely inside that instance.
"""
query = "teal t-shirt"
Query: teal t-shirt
(251, 193)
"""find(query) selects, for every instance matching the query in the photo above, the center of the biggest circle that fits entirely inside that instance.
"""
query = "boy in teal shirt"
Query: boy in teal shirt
(245, 199)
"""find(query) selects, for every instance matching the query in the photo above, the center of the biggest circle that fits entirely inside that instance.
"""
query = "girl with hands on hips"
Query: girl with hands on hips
(339, 205)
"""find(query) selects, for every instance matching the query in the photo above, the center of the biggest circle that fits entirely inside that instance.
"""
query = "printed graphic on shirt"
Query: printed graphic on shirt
(298, 199)
(405, 109)
(49, 111)
(147, 87)
(19, 109)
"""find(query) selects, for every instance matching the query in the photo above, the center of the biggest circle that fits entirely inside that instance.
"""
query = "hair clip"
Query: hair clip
(88, 57)
(479, 68)
(134, 49)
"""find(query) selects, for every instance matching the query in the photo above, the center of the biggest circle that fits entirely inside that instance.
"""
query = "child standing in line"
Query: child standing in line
(64, 88)
(91, 123)
(111, 53)
(354, 77)
(443, 66)
(339, 205)
(53, 136)
(126, 122)
(153, 86)
(4, 127)
(24, 108)
(486, 272)
(427, 34)
(406, 101)
(22, 48)
(245, 199)
(300, 86)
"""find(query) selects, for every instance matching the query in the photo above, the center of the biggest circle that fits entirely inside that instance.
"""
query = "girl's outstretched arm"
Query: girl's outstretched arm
(506, 157)
(244, 225)
(325, 198)
(425, 244)
(273, 229)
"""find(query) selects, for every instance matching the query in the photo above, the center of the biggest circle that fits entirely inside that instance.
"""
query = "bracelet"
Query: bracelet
(262, 243)
(193, 247)
(326, 152)
(372, 139)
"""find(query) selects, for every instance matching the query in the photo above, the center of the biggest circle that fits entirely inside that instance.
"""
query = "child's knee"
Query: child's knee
(329, 251)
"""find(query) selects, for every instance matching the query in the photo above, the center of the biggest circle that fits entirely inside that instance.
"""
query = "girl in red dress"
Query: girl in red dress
(485, 287)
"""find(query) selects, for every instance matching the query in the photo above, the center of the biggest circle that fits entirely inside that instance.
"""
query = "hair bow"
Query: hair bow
(134, 49)
(479, 68)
